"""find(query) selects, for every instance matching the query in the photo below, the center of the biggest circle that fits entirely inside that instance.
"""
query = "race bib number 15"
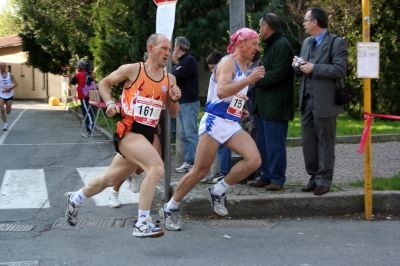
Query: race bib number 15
(237, 103)
(147, 111)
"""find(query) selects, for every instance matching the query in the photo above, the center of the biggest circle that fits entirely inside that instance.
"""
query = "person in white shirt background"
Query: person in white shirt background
(8, 84)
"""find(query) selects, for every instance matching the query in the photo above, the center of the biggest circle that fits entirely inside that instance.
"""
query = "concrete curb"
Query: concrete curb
(104, 132)
(297, 204)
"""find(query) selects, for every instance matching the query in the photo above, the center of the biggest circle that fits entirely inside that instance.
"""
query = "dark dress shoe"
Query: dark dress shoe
(274, 187)
(309, 188)
(260, 183)
(320, 190)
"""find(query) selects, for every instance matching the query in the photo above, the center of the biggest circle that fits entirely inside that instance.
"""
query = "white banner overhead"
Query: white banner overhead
(165, 18)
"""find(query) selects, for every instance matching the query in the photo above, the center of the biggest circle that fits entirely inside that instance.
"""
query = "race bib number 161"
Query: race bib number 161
(147, 111)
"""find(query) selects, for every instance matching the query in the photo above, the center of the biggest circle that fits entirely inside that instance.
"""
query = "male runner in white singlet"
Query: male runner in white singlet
(219, 125)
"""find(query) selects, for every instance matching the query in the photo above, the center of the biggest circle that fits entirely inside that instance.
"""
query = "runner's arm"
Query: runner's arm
(126, 73)
(225, 73)
(14, 82)
(174, 93)
(123, 73)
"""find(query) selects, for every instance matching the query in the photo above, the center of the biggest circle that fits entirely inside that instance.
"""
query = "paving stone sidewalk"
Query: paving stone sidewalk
(349, 167)
(343, 198)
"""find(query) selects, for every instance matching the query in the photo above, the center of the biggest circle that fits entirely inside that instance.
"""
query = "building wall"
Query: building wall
(32, 83)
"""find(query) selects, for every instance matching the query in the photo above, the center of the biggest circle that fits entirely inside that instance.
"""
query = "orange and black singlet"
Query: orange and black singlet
(142, 102)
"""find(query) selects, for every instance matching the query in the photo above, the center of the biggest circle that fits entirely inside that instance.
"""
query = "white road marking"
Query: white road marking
(57, 144)
(24, 189)
(5, 133)
(126, 195)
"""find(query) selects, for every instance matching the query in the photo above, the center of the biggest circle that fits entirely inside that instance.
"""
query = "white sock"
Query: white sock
(78, 197)
(220, 188)
(172, 204)
(114, 192)
(142, 214)
(5, 125)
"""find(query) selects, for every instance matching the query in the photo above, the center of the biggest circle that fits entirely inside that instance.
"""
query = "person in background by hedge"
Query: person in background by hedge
(187, 78)
(80, 80)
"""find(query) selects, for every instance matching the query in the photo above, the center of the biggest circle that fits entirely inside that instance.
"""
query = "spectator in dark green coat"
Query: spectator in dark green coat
(274, 103)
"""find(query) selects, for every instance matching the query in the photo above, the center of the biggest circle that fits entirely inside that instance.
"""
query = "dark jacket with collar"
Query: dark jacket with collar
(274, 98)
(328, 68)
(187, 78)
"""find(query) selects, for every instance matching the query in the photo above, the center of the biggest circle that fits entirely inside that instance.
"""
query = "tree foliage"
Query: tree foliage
(385, 93)
(121, 30)
(120, 36)
(8, 21)
(53, 32)
(208, 30)
(56, 33)
(345, 20)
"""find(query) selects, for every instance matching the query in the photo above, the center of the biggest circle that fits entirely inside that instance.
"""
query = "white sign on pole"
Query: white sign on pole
(165, 19)
(367, 60)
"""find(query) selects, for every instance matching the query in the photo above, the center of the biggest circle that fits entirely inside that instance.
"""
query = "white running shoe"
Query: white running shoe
(5, 127)
(86, 134)
(171, 218)
(72, 209)
(185, 167)
(113, 200)
(147, 229)
(134, 185)
(217, 202)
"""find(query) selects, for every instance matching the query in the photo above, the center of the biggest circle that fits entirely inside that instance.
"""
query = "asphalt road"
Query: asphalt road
(313, 241)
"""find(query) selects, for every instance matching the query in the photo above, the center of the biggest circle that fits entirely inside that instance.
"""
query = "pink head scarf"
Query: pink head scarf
(240, 35)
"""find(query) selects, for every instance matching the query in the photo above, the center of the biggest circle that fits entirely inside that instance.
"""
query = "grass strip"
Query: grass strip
(381, 183)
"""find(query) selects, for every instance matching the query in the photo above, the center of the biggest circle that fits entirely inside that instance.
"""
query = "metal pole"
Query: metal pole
(367, 108)
(236, 15)
(167, 147)
(166, 129)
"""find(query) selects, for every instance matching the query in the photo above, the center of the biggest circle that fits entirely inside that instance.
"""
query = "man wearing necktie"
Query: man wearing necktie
(319, 72)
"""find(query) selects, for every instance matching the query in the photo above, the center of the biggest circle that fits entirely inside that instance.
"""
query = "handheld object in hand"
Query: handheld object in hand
(299, 60)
